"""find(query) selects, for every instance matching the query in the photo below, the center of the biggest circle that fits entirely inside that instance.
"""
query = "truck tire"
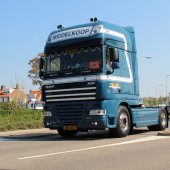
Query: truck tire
(67, 133)
(123, 123)
(162, 121)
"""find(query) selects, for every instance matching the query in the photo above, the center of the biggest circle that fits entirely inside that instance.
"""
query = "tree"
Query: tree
(33, 73)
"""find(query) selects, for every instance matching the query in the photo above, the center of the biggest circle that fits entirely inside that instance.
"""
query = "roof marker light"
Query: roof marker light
(60, 26)
(91, 19)
(95, 19)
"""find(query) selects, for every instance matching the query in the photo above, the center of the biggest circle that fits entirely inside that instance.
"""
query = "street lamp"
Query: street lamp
(166, 87)
(147, 57)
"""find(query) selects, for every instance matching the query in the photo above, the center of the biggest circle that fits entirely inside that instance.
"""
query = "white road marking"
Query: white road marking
(150, 138)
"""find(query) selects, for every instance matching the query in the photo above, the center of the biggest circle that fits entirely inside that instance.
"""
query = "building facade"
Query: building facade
(13, 94)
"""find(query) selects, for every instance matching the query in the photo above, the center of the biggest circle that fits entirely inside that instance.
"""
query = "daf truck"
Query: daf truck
(90, 81)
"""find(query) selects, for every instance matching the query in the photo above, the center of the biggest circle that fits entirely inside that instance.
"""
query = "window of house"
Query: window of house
(5, 99)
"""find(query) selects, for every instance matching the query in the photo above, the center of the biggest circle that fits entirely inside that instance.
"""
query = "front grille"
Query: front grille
(70, 112)
(70, 92)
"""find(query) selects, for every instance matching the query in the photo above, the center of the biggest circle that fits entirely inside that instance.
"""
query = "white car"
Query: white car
(38, 105)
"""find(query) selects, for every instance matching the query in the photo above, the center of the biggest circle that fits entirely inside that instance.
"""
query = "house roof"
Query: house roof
(10, 92)
(37, 93)
(16, 93)
(5, 95)
(1, 92)
(34, 91)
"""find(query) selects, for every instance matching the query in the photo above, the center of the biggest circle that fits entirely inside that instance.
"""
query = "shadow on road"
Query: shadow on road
(91, 135)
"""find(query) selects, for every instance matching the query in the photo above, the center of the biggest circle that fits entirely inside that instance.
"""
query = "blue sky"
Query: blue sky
(25, 25)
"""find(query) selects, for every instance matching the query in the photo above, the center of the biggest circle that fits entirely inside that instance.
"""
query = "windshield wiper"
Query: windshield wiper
(83, 69)
(67, 70)
(71, 71)
(75, 70)
(54, 73)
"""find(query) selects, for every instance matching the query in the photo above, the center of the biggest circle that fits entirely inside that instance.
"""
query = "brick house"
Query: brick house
(12, 94)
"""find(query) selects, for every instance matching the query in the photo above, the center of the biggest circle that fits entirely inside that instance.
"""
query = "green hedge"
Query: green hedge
(14, 117)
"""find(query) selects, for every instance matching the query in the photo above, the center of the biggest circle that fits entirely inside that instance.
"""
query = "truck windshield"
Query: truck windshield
(74, 61)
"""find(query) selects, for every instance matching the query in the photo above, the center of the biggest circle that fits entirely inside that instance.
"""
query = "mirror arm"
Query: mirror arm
(41, 73)
(41, 63)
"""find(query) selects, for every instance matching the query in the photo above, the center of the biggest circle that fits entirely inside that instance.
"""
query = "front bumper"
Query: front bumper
(90, 123)
(78, 114)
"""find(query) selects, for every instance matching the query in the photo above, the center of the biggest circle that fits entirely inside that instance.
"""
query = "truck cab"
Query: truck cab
(90, 81)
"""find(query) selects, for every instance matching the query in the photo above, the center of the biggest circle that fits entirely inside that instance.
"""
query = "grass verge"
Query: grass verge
(26, 119)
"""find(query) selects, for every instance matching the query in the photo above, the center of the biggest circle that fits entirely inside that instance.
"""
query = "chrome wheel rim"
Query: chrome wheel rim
(124, 123)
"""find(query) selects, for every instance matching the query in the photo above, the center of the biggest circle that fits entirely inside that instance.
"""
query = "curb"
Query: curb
(15, 137)
(164, 133)
(33, 133)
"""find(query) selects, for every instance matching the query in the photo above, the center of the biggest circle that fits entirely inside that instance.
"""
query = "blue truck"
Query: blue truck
(90, 81)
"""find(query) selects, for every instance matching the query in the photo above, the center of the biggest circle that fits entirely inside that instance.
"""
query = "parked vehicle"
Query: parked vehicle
(90, 81)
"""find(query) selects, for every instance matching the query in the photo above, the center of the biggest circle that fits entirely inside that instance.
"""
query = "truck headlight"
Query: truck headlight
(47, 113)
(97, 112)
(97, 29)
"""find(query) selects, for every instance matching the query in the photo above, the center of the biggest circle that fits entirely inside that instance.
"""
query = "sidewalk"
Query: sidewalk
(29, 133)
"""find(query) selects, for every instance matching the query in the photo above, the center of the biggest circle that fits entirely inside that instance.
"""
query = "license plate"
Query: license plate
(70, 127)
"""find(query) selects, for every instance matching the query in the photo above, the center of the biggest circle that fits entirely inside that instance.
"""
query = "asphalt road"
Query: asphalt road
(94, 150)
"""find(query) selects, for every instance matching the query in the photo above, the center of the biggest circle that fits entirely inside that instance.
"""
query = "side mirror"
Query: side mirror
(115, 65)
(41, 63)
(114, 55)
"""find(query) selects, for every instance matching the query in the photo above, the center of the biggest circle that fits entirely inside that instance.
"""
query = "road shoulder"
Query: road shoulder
(28, 133)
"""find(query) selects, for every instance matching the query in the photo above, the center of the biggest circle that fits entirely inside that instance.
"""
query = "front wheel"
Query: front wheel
(67, 133)
(123, 123)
